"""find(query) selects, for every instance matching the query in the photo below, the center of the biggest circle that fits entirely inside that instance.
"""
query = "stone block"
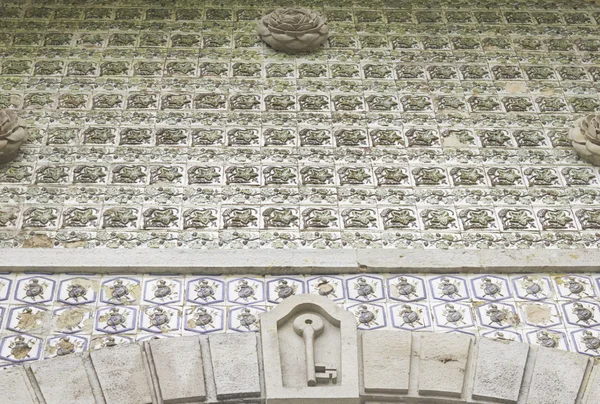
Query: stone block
(15, 387)
(310, 352)
(499, 370)
(386, 361)
(179, 368)
(592, 391)
(443, 363)
(64, 380)
(557, 377)
(235, 365)
(122, 374)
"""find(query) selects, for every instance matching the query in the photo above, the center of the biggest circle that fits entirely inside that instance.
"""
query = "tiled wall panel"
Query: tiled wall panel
(420, 124)
(44, 316)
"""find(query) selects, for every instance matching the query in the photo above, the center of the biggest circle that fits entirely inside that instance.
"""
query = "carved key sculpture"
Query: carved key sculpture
(326, 374)
(309, 327)
(309, 351)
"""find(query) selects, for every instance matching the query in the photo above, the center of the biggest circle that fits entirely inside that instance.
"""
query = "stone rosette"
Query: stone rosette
(293, 30)
(585, 138)
(12, 135)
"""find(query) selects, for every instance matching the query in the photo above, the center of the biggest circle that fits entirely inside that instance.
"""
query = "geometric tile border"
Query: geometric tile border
(111, 309)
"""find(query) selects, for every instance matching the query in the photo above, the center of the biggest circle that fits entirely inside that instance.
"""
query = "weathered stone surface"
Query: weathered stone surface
(15, 388)
(179, 368)
(66, 371)
(443, 363)
(393, 349)
(557, 377)
(235, 365)
(592, 392)
(438, 373)
(122, 374)
(300, 261)
(499, 369)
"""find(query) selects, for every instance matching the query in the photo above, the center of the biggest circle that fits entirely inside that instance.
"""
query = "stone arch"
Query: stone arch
(392, 366)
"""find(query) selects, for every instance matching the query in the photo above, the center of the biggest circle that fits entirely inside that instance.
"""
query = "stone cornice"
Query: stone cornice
(306, 261)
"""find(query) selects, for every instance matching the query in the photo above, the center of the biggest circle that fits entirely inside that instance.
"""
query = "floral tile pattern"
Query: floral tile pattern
(418, 124)
(280, 289)
(20, 348)
(449, 288)
(116, 319)
(205, 290)
(453, 315)
(369, 316)
(78, 290)
(163, 291)
(531, 287)
(410, 316)
(32, 289)
(549, 316)
(246, 290)
(489, 287)
(65, 345)
(329, 286)
(406, 288)
(201, 319)
(121, 290)
(365, 288)
(428, 124)
(548, 337)
(245, 318)
(160, 319)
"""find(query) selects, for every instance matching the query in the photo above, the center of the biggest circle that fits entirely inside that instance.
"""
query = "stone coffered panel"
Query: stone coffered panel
(431, 124)
(393, 366)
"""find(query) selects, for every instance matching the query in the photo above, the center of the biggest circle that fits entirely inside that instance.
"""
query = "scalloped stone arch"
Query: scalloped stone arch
(393, 366)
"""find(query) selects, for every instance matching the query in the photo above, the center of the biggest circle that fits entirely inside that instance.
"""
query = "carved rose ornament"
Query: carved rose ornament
(292, 30)
(585, 138)
(12, 135)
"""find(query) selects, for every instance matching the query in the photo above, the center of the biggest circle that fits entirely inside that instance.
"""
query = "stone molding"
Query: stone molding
(309, 261)
(393, 366)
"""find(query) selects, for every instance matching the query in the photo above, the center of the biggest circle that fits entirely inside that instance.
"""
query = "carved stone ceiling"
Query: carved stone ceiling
(420, 124)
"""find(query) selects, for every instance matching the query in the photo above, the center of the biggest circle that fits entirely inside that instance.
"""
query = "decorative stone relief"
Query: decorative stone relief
(12, 135)
(585, 136)
(408, 129)
(293, 30)
(309, 351)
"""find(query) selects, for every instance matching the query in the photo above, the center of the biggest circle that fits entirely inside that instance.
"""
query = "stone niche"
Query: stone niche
(310, 352)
